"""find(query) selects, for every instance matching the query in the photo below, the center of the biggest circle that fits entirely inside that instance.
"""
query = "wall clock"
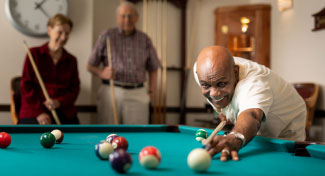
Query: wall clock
(30, 16)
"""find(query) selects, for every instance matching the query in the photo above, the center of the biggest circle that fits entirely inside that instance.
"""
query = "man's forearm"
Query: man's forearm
(248, 123)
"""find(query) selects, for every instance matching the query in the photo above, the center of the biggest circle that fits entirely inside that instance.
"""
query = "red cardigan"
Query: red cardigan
(61, 81)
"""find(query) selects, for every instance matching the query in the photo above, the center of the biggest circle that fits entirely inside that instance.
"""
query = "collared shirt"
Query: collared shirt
(132, 55)
(61, 82)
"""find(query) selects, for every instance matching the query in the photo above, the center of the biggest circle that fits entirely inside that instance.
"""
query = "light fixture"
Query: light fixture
(284, 5)
(244, 24)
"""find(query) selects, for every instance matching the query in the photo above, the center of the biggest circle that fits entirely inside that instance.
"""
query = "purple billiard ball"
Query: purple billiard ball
(110, 137)
(120, 160)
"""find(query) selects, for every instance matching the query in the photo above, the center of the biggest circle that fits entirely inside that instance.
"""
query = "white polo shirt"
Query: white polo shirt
(259, 87)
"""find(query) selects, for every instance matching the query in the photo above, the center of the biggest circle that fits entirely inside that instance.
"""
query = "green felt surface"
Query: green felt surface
(76, 155)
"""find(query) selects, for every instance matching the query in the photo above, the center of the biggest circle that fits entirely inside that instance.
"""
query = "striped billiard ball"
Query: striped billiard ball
(150, 157)
(200, 135)
(120, 160)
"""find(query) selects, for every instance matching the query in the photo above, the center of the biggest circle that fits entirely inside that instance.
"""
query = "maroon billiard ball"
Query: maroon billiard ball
(120, 160)
(110, 138)
(5, 140)
(120, 143)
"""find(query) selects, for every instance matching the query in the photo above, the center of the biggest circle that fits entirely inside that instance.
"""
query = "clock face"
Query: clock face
(31, 16)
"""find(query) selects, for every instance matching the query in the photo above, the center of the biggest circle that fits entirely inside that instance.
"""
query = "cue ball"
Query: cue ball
(201, 134)
(5, 140)
(120, 160)
(47, 140)
(58, 135)
(120, 143)
(150, 157)
(103, 149)
(199, 160)
(110, 137)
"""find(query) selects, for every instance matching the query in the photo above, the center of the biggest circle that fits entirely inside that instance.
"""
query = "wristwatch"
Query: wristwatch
(239, 136)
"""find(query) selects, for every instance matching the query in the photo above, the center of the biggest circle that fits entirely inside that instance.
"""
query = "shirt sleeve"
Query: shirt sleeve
(254, 93)
(72, 92)
(97, 54)
(29, 88)
(153, 62)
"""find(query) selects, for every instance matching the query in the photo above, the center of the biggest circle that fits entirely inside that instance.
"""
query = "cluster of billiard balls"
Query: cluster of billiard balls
(114, 149)
(48, 139)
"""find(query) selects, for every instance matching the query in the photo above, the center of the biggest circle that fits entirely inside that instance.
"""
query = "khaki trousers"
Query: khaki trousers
(132, 105)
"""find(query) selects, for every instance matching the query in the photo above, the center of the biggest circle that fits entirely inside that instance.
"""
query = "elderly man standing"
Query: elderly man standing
(251, 96)
(133, 55)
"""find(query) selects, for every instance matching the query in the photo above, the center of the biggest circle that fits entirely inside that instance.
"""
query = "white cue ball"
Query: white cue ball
(199, 160)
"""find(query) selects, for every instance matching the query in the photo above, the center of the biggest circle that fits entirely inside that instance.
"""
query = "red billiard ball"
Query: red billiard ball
(58, 134)
(120, 143)
(120, 160)
(5, 140)
(150, 157)
(110, 137)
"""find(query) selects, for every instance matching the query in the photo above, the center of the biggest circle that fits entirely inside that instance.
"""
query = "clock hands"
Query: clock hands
(39, 6)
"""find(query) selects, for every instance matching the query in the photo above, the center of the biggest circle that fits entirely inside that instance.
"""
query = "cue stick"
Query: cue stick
(164, 57)
(31, 59)
(111, 81)
(215, 131)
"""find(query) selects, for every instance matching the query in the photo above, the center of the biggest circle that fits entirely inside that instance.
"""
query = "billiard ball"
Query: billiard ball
(120, 160)
(120, 143)
(110, 137)
(5, 140)
(103, 149)
(150, 157)
(199, 160)
(200, 135)
(47, 140)
(58, 135)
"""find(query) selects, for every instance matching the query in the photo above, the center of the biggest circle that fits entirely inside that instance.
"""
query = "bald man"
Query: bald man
(252, 97)
(133, 56)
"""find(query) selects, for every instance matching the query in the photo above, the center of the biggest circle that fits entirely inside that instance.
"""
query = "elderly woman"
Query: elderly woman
(58, 69)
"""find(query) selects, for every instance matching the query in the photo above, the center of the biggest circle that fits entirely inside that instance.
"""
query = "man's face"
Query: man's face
(218, 83)
(127, 18)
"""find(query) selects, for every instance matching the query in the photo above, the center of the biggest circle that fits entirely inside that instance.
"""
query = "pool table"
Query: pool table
(76, 154)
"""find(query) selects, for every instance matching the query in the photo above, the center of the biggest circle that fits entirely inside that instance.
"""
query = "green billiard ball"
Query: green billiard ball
(47, 140)
(200, 135)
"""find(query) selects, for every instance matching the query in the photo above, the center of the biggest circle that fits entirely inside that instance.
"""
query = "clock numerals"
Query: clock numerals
(30, 16)
(37, 27)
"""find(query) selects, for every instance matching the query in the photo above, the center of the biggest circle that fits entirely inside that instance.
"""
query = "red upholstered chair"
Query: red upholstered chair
(309, 92)
(15, 99)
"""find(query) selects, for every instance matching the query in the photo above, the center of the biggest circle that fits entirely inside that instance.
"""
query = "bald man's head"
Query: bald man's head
(218, 75)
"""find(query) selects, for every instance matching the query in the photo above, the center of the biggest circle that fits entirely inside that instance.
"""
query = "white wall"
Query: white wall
(297, 53)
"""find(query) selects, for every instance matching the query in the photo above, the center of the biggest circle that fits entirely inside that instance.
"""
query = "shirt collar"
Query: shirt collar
(120, 31)
(45, 49)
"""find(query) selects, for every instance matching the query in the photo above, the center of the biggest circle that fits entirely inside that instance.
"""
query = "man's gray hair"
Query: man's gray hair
(128, 4)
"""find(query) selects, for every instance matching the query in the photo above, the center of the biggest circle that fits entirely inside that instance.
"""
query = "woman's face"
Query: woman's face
(59, 35)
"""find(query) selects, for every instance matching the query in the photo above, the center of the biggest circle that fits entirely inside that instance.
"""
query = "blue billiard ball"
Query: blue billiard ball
(120, 160)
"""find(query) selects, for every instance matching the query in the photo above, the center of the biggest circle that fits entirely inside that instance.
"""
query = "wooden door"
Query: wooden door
(254, 43)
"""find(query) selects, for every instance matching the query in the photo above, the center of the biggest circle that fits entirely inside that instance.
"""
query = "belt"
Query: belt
(124, 86)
